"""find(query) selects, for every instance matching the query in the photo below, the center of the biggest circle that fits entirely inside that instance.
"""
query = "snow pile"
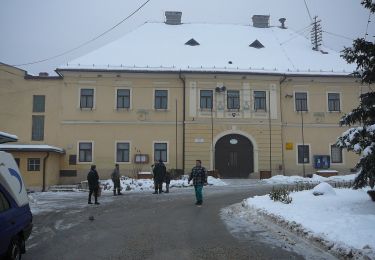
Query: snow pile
(344, 223)
(129, 184)
(323, 189)
(281, 179)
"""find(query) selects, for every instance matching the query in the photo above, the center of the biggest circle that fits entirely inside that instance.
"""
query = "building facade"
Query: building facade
(238, 121)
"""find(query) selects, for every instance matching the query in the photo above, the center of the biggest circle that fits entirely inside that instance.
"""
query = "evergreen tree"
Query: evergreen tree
(361, 139)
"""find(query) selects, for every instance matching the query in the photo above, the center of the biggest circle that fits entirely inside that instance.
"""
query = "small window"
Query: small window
(161, 99)
(38, 103)
(4, 203)
(256, 44)
(123, 98)
(206, 99)
(233, 99)
(303, 154)
(336, 154)
(87, 98)
(259, 100)
(160, 151)
(192, 42)
(37, 130)
(122, 152)
(301, 101)
(33, 164)
(85, 152)
(334, 102)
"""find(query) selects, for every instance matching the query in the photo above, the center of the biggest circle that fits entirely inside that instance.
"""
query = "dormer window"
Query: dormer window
(192, 42)
(256, 44)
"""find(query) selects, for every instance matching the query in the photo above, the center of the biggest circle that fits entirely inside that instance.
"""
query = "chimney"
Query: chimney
(173, 17)
(43, 74)
(282, 21)
(261, 21)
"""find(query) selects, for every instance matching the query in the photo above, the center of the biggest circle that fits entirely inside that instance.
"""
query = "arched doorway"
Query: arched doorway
(234, 156)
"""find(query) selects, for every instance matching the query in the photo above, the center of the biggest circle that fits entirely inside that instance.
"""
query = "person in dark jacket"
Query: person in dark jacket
(115, 176)
(159, 175)
(93, 180)
(167, 181)
(199, 176)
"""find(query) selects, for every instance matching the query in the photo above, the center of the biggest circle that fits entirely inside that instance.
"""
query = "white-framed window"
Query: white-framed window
(233, 99)
(39, 102)
(87, 98)
(334, 102)
(85, 151)
(161, 99)
(123, 98)
(33, 164)
(336, 154)
(160, 149)
(37, 128)
(300, 101)
(303, 154)
(123, 152)
(206, 99)
(260, 100)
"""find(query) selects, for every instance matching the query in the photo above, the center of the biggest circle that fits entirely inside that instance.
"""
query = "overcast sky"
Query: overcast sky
(37, 29)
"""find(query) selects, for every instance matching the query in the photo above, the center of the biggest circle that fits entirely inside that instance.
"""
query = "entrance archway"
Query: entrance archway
(234, 156)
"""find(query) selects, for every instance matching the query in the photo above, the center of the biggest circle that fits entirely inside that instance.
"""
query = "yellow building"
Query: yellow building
(243, 99)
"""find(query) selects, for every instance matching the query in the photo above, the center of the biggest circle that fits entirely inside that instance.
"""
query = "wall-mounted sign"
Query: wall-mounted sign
(289, 146)
(199, 140)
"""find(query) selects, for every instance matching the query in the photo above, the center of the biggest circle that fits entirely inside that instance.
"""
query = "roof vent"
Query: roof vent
(192, 42)
(173, 18)
(261, 21)
(256, 44)
(282, 21)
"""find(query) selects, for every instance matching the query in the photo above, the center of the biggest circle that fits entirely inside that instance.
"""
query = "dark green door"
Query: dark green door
(234, 156)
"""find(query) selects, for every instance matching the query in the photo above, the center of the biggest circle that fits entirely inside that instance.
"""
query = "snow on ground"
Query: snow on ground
(345, 220)
(129, 184)
(281, 179)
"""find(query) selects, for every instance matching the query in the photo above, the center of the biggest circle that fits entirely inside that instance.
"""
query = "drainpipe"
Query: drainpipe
(44, 171)
(282, 80)
(182, 78)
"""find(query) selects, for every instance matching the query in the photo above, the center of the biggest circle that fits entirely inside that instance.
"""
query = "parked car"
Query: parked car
(15, 215)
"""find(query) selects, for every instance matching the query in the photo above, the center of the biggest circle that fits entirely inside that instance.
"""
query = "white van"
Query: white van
(15, 214)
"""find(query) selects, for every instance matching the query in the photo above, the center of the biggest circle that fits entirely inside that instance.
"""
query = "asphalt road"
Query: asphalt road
(148, 226)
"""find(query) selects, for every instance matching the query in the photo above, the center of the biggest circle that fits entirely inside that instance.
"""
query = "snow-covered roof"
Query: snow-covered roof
(6, 138)
(31, 148)
(222, 48)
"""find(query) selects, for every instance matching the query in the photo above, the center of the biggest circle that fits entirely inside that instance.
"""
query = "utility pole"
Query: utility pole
(303, 142)
(212, 138)
(316, 34)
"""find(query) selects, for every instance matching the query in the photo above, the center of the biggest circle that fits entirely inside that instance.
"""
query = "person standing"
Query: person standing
(167, 181)
(199, 176)
(93, 180)
(159, 175)
(115, 176)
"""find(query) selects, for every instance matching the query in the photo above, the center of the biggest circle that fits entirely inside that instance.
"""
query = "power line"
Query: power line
(87, 42)
(338, 35)
(297, 33)
(308, 11)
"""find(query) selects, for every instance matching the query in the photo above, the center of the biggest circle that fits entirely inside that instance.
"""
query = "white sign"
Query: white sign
(199, 140)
